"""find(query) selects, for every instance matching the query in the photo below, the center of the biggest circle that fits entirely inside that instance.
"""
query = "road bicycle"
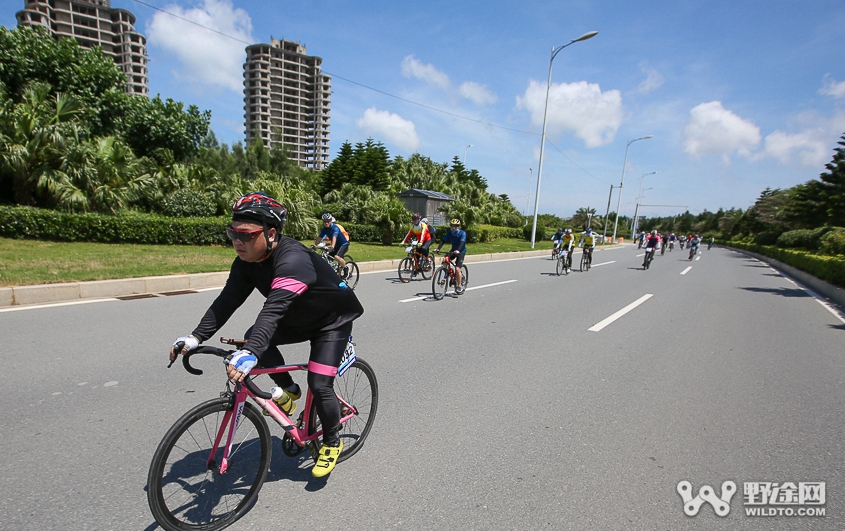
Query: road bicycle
(649, 256)
(446, 276)
(415, 264)
(586, 259)
(671, 246)
(209, 467)
(662, 250)
(564, 262)
(709, 245)
(692, 251)
(556, 252)
(349, 273)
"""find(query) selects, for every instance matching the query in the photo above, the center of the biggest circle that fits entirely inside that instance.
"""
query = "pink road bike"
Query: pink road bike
(209, 467)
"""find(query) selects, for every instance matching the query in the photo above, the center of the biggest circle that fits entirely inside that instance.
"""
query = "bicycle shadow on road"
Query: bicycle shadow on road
(783, 292)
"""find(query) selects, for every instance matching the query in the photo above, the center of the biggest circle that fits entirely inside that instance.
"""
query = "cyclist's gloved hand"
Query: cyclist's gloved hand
(190, 343)
(239, 363)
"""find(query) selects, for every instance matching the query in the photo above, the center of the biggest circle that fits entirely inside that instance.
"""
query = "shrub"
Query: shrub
(803, 238)
(766, 238)
(188, 204)
(125, 227)
(833, 242)
(540, 233)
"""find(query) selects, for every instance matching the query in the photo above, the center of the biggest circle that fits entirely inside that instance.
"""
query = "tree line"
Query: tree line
(72, 140)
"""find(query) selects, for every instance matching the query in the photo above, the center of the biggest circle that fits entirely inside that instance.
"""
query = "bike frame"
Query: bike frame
(232, 417)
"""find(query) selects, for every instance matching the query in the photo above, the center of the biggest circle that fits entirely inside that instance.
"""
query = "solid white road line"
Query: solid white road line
(604, 263)
(597, 327)
(685, 271)
(826, 305)
(468, 289)
(53, 305)
(639, 255)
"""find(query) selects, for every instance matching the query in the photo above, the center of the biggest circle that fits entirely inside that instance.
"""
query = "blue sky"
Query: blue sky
(737, 95)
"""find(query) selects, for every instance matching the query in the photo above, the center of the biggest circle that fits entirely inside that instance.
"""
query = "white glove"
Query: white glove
(190, 343)
(243, 360)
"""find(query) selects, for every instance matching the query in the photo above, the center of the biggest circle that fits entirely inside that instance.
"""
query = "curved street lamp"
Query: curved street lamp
(621, 182)
(635, 223)
(465, 154)
(555, 51)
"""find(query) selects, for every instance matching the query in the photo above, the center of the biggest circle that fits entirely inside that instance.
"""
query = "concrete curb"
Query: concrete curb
(105, 289)
(832, 293)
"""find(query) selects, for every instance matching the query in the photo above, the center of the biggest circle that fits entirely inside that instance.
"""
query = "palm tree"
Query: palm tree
(36, 135)
(582, 217)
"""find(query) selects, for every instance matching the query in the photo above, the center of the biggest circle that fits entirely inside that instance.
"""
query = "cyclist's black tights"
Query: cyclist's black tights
(326, 349)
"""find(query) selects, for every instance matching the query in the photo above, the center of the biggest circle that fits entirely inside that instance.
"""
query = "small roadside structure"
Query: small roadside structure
(427, 203)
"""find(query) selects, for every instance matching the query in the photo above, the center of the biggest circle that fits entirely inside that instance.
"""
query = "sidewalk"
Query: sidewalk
(177, 284)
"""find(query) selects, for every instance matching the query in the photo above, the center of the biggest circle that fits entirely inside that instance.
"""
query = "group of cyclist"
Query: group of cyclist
(564, 241)
(424, 234)
(654, 240)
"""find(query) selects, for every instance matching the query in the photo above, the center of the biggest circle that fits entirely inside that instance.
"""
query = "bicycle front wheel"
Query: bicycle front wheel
(357, 387)
(426, 267)
(406, 269)
(351, 274)
(583, 266)
(464, 278)
(561, 265)
(439, 283)
(185, 488)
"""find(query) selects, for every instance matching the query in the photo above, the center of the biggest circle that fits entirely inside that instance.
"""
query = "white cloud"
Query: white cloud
(477, 93)
(832, 88)
(412, 67)
(592, 115)
(811, 146)
(653, 81)
(207, 58)
(714, 130)
(392, 127)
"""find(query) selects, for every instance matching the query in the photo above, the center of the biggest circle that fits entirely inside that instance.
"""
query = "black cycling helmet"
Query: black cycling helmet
(258, 207)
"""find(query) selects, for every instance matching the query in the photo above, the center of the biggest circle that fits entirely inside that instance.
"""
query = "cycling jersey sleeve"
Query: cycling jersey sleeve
(235, 292)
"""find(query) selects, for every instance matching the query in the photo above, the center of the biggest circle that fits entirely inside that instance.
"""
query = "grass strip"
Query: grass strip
(31, 262)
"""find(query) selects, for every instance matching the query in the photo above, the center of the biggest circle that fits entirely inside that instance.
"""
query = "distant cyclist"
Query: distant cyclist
(710, 243)
(588, 242)
(419, 232)
(458, 239)
(557, 238)
(694, 244)
(650, 247)
(340, 244)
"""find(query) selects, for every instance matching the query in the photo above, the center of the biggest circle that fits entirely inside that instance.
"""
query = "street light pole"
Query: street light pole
(622, 182)
(555, 51)
(528, 197)
(465, 155)
(607, 213)
(635, 223)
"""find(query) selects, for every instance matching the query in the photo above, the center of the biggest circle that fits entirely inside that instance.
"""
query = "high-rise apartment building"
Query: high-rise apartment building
(94, 23)
(287, 101)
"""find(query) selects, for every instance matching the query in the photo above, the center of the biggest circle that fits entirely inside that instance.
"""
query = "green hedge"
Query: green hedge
(804, 238)
(41, 224)
(828, 268)
(833, 242)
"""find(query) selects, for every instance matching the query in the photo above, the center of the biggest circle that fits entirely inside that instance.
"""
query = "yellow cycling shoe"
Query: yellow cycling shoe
(326, 460)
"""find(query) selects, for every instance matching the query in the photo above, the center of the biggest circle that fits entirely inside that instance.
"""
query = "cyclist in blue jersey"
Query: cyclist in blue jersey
(458, 239)
(339, 242)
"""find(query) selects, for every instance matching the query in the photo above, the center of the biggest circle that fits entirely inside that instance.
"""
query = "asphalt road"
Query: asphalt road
(499, 409)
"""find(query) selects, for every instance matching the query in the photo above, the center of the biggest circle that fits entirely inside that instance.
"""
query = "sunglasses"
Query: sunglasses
(244, 236)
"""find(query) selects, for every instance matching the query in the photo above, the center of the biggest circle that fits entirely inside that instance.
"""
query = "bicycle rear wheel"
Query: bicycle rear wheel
(439, 283)
(359, 388)
(351, 274)
(406, 269)
(186, 491)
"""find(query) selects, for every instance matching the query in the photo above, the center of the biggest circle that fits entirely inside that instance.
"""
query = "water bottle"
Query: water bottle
(277, 392)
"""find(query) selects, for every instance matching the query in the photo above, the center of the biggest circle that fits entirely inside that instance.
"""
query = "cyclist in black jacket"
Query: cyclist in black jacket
(306, 301)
